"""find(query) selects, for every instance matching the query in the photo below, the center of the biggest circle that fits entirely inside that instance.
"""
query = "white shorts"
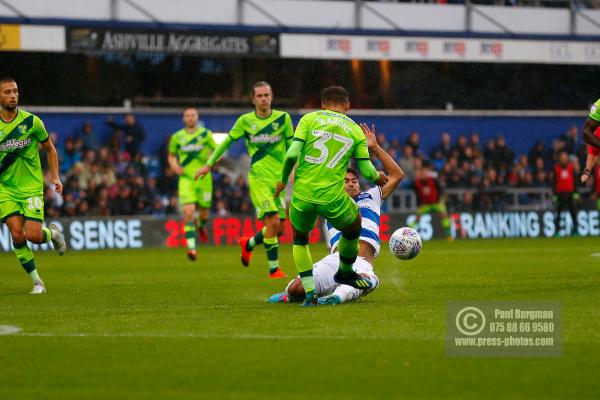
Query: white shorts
(326, 268)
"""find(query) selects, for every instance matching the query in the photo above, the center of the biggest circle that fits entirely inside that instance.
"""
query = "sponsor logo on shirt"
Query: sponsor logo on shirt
(192, 147)
(264, 138)
(14, 144)
(363, 196)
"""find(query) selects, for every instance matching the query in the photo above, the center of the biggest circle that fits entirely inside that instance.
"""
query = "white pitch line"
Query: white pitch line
(9, 330)
(16, 331)
(186, 335)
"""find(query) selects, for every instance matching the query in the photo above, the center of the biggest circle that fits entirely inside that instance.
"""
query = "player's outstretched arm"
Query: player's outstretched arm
(53, 164)
(365, 166)
(215, 156)
(395, 173)
(588, 133)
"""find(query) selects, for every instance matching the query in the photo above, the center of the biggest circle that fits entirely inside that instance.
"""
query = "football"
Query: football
(405, 243)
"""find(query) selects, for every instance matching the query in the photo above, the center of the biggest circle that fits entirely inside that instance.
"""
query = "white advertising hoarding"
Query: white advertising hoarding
(439, 49)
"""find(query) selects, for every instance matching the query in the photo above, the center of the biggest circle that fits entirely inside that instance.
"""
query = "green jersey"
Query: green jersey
(21, 174)
(192, 149)
(330, 139)
(595, 111)
(267, 142)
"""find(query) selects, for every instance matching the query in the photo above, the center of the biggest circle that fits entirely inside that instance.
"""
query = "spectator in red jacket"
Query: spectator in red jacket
(564, 190)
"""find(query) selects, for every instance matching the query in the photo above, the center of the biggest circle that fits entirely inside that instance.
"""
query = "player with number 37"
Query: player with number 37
(323, 144)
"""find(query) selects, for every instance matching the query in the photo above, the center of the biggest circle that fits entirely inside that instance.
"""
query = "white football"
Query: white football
(405, 243)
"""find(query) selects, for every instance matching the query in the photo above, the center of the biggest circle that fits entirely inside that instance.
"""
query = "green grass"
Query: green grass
(148, 324)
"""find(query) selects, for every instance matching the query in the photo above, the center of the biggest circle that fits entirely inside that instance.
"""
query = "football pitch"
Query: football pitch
(149, 324)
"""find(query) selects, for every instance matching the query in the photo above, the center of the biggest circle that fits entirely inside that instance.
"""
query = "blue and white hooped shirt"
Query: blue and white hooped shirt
(369, 206)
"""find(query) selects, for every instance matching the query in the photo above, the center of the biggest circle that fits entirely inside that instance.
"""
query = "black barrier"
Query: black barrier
(146, 231)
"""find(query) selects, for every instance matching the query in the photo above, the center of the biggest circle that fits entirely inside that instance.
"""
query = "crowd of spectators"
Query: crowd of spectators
(115, 178)
(484, 172)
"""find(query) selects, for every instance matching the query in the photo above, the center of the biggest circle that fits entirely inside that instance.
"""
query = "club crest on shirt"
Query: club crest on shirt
(275, 125)
(23, 129)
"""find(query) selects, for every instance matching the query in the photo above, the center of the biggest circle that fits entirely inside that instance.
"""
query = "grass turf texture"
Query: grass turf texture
(155, 325)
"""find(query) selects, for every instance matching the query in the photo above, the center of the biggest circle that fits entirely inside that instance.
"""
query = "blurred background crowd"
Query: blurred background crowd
(115, 178)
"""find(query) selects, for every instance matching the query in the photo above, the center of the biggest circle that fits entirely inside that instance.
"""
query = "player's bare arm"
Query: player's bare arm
(590, 162)
(395, 173)
(53, 164)
(174, 164)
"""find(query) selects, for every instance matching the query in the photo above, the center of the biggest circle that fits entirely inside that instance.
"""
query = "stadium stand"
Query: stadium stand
(103, 178)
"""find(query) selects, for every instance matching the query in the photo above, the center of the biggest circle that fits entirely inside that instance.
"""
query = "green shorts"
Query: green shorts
(196, 192)
(339, 213)
(31, 208)
(430, 208)
(262, 195)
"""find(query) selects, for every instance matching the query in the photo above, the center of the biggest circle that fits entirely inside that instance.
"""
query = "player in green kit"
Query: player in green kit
(268, 134)
(22, 180)
(591, 136)
(323, 145)
(189, 149)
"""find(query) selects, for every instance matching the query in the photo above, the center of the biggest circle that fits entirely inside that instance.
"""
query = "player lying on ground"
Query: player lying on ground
(189, 149)
(369, 206)
(324, 143)
(22, 180)
(591, 136)
(268, 134)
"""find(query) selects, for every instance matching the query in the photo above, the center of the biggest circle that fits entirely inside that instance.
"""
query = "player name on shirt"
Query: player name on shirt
(337, 120)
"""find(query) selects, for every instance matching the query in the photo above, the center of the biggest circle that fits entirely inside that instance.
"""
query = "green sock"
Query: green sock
(348, 250)
(256, 239)
(272, 248)
(25, 256)
(190, 235)
(446, 226)
(46, 235)
(304, 265)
